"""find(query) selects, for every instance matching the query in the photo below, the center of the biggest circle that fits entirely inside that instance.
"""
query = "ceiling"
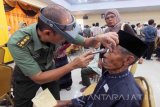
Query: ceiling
(81, 7)
(121, 10)
(77, 2)
(46, 1)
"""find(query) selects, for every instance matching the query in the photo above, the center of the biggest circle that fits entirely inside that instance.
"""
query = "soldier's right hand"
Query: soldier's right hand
(83, 60)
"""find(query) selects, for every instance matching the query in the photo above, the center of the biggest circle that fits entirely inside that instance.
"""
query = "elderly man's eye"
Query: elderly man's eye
(109, 52)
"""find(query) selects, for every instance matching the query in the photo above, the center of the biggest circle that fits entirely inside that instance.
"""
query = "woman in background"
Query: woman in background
(114, 24)
(61, 59)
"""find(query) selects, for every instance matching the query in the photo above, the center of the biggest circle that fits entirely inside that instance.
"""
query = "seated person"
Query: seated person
(117, 86)
(91, 69)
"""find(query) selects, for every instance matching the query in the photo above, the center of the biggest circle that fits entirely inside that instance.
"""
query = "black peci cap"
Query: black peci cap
(132, 43)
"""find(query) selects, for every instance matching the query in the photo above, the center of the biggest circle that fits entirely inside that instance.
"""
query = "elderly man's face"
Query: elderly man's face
(111, 20)
(114, 60)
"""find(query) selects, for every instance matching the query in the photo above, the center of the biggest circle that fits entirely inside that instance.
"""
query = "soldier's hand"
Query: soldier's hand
(109, 40)
(83, 60)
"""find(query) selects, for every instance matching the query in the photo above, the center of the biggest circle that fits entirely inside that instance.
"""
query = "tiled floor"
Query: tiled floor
(149, 69)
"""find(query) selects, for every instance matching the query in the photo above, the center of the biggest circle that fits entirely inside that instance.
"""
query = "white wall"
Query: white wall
(132, 17)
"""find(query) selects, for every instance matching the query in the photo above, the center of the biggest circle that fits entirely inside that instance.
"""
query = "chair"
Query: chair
(133, 68)
(89, 90)
(2, 53)
(148, 100)
(5, 82)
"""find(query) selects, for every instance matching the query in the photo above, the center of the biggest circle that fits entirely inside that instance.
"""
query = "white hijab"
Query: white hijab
(117, 27)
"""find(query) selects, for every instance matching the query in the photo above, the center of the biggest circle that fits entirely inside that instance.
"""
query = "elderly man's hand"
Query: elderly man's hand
(83, 60)
(109, 40)
(65, 103)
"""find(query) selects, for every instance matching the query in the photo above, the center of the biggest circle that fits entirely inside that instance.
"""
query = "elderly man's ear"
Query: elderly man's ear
(129, 60)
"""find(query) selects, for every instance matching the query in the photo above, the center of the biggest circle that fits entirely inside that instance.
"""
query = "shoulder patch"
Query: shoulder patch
(24, 41)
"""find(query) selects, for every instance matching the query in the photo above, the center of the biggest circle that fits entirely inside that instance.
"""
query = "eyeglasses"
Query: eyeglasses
(107, 18)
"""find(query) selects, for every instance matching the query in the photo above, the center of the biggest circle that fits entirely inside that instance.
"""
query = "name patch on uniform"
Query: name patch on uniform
(106, 88)
(24, 41)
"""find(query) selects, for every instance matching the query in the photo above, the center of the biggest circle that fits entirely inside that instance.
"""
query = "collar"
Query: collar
(119, 75)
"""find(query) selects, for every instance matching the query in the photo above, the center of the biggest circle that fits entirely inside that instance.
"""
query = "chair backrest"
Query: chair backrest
(89, 89)
(133, 68)
(5, 79)
(148, 99)
(2, 52)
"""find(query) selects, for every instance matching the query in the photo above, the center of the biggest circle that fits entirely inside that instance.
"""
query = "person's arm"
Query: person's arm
(106, 39)
(52, 75)
(31, 68)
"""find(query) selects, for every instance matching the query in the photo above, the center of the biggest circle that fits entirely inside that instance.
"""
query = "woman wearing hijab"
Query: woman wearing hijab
(113, 21)
(114, 24)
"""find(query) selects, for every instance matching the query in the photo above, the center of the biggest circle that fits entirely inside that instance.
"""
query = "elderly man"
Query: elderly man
(34, 46)
(117, 87)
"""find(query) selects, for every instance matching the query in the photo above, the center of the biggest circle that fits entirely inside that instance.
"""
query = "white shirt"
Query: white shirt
(96, 31)
(138, 30)
(158, 33)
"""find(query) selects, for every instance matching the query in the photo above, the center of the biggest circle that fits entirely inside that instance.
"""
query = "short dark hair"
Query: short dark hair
(86, 26)
(53, 12)
(158, 26)
(137, 24)
(93, 24)
(133, 26)
(151, 22)
(97, 24)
